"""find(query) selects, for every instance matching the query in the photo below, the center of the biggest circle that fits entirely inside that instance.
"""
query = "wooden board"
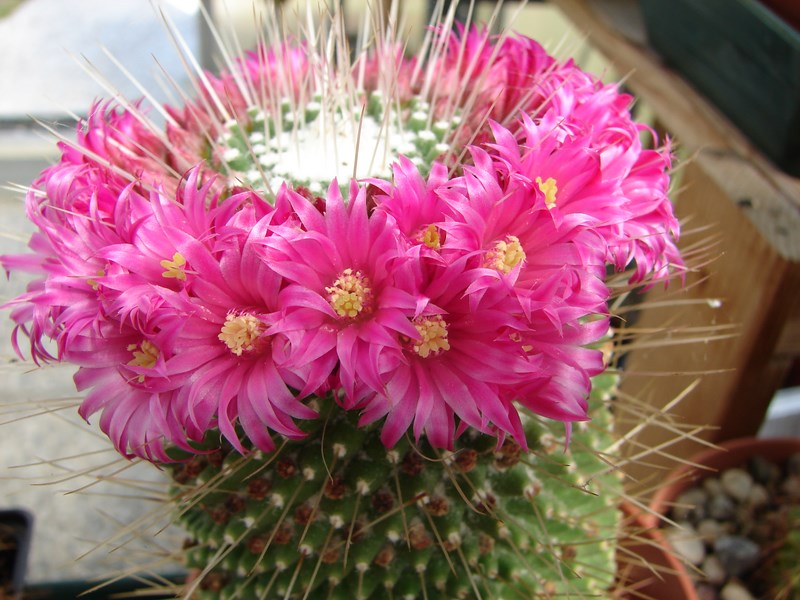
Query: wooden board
(737, 198)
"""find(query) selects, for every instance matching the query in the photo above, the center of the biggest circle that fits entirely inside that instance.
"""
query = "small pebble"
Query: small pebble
(744, 520)
(734, 590)
(721, 507)
(686, 543)
(690, 505)
(759, 496)
(737, 554)
(706, 592)
(791, 487)
(713, 486)
(713, 570)
(709, 530)
(737, 483)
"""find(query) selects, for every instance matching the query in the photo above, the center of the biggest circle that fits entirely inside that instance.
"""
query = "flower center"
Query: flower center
(144, 355)
(175, 267)
(549, 188)
(350, 294)
(433, 333)
(431, 237)
(506, 255)
(241, 333)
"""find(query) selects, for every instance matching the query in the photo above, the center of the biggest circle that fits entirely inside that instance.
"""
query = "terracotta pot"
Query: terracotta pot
(733, 453)
(645, 566)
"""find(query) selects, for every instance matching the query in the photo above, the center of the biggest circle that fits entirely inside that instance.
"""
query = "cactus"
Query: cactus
(339, 515)
(336, 301)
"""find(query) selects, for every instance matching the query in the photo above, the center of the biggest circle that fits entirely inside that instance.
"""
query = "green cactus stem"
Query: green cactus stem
(338, 515)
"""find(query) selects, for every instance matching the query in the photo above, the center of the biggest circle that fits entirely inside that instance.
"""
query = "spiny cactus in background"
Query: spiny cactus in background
(340, 516)
(356, 306)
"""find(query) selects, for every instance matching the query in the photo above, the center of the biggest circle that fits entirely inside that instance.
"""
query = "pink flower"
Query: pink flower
(518, 241)
(509, 283)
(456, 367)
(73, 206)
(554, 269)
(415, 204)
(122, 368)
(348, 292)
(649, 236)
(604, 180)
(126, 142)
(561, 384)
(259, 82)
(120, 352)
(387, 70)
(224, 354)
(493, 81)
(199, 262)
(146, 298)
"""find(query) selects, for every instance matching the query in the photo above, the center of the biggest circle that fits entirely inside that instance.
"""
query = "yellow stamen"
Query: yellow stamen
(93, 282)
(433, 331)
(350, 294)
(506, 255)
(144, 355)
(516, 337)
(431, 237)
(241, 333)
(549, 188)
(175, 267)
